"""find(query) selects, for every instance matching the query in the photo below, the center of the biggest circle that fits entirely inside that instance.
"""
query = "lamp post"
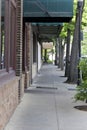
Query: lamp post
(80, 6)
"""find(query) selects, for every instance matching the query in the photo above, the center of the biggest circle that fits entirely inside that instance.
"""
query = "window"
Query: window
(34, 48)
(12, 35)
(2, 40)
(8, 34)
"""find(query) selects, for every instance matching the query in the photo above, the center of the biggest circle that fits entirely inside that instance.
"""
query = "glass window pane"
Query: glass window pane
(2, 49)
(12, 35)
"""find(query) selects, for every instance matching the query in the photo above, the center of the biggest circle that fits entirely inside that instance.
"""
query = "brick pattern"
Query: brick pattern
(19, 24)
(19, 37)
(11, 89)
(8, 100)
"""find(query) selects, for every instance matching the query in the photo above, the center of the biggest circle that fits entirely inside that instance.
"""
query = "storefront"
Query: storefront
(10, 71)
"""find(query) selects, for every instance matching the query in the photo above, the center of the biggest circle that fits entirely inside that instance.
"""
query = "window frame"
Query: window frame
(9, 36)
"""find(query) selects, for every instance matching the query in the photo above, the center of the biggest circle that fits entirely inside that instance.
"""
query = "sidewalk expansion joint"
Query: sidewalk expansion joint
(46, 87)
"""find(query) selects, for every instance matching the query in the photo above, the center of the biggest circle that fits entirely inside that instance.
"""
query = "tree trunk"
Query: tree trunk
(56, 53)
(45, 55)
(67, 64)
(61, 54)
(59, 65)
(73, 75)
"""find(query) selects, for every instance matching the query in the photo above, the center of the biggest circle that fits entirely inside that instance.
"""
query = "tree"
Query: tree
(66, 33)
(67, 53)
(61, 52)
(73, 75)
(62, 42)
(73, 27)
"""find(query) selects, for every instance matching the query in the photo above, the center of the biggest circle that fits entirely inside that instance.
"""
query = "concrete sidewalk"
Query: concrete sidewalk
(49, 105)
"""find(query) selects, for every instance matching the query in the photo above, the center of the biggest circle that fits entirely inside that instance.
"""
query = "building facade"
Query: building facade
(18, 57)
(10, 58)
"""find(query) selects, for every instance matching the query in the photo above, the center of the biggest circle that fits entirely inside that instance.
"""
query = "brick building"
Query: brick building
(11, 78)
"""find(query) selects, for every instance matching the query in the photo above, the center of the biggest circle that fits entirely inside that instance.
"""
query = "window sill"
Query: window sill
(5, 76)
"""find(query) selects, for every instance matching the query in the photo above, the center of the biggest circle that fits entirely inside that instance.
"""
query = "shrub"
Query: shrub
(83, 68)
(81, 91)
(82, 88)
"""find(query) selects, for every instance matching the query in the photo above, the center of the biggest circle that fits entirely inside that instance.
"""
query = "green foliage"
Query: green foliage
(69, 25)
(82, 91)
(82, 88)
(84, 18)
(84, 28)
(83, 68)
(84, 43)
(49, 61)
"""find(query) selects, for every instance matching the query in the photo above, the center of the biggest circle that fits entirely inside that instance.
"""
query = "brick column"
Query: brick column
(19, 37)
(19, 42)
(28, 48)
(27, 53)
(30, 51)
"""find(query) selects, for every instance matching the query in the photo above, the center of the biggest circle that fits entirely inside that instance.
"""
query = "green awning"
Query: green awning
(48, 24)
(46, 10)
(47, 31)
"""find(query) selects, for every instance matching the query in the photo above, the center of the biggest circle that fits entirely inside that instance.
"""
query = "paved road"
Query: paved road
(49, 105)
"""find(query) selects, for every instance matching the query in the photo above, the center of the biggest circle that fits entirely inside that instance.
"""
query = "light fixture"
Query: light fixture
(80, 3)
(80, 0)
